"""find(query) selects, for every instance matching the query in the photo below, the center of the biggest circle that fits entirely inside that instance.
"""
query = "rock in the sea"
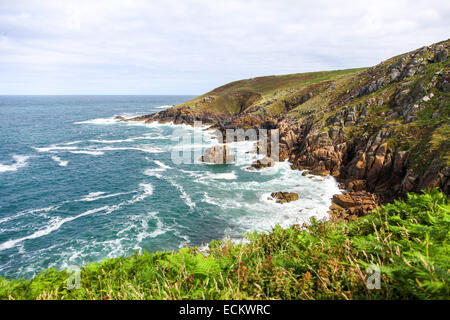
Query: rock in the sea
(218, 155)
(283, 197)
(263, 163)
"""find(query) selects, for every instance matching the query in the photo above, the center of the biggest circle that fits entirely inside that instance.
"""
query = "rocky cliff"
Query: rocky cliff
(381, 131)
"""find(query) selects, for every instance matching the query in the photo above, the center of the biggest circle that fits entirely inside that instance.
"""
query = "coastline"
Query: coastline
(380, 131)
(346, 205)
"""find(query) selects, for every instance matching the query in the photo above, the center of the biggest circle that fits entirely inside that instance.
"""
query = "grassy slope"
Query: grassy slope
(228, 99)
(327, 260)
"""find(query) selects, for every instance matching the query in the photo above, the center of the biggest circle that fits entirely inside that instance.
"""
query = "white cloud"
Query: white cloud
(150, 47)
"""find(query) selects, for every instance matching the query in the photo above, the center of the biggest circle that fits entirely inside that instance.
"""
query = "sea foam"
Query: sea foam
(54, 225)
(59, 161)
(20, 162)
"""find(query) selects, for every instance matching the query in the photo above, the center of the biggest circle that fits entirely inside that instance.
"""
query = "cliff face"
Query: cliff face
(382, 130)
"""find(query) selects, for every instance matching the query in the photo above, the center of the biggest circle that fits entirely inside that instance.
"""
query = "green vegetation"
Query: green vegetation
(238, 96)
(407, 240)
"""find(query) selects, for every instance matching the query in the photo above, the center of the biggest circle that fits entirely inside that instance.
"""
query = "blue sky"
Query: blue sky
(190, 47)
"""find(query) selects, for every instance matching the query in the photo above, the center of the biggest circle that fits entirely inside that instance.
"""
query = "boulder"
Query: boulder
(440, 54)
(283, 197)
(218, 155)
(263, 163)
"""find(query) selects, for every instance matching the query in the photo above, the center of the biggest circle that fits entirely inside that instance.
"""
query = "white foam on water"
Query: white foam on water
(262, 212)
(54, 147)
(92, 153)
(178, 234)
(99, 121)
(195, 174)
(146, 149)
(112, 141)
(314, 200)
(57, 222)
(137, 229)
(234, 202)
(208, 199)
(20, 162)
(222, 176)
(162, 165)
(114, 247)
(154, 172)
(59, 161)
(154, 138)
(144, 234)
(54, 225)
(26, 212)
(72, 142)
(92, 196)
(147, 190)
(186, 198)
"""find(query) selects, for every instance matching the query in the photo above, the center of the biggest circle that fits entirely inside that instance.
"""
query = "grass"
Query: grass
(406, 240)
(237, 96)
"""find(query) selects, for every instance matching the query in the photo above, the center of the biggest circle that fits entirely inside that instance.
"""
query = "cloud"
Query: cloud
(154, 47)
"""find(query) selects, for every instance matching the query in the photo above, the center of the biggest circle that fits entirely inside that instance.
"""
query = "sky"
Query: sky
(193, 46)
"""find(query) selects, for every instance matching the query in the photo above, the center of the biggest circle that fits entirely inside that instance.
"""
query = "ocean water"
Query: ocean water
(76, 186)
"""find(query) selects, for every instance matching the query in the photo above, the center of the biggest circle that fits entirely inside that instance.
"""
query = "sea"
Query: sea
(77, 186)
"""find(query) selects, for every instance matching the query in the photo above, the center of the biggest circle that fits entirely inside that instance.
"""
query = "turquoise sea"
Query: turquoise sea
(77, 186)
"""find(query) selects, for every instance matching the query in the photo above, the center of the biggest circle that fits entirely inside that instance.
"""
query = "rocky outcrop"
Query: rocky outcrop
(322, 153)
(263, 163)
(284, 197)
(368, 159)
(353, 204)
(218, 155)
(440, 54)
(179, 115)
